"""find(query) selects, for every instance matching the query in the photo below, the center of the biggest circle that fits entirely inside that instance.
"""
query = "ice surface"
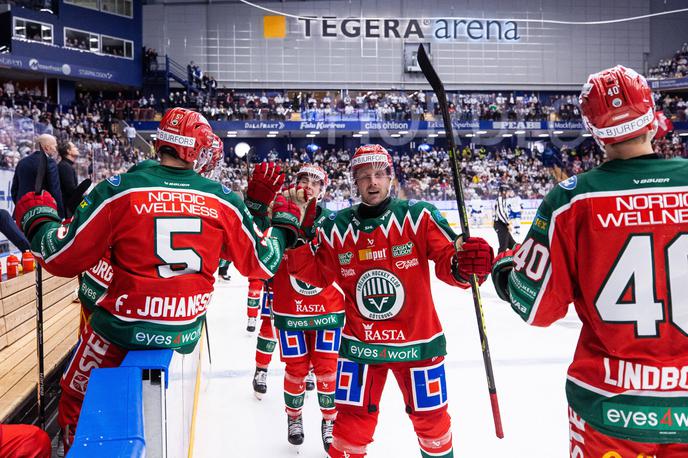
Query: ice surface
(529, 364)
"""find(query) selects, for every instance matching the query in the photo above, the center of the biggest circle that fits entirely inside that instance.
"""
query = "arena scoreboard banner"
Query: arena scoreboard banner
(378, 126)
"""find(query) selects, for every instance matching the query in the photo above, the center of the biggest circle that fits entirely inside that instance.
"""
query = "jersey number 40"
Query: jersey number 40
(629, 293)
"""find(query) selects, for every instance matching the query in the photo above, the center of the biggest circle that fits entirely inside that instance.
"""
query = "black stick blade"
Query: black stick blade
(429, 71)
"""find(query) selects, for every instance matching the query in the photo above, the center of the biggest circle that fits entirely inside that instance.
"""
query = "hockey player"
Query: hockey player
(513, 204)
(166, 228)
(94, 282)
(309, 321)
(378, 252)
(501, 221)
(614, 241)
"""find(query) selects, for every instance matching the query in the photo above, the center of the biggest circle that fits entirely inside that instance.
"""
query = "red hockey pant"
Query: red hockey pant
(92, 351)
(585, 442)
(301, 350)
(24, 441)
(359, 388)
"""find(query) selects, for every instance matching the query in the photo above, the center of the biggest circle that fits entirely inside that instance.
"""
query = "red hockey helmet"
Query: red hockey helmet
(185, 131)
(617, 105)
(209, 160)
(314, 172)
(375, 155)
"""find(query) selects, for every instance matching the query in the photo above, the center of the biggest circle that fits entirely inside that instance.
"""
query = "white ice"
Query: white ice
(529, 365)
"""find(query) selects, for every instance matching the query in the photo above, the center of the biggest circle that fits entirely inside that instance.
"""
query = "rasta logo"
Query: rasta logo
(303, 288)
(379, 295)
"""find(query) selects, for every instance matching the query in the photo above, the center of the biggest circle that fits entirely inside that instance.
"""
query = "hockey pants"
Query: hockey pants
(92, 352)
(357, 398)
(301, 350)
(585, 442)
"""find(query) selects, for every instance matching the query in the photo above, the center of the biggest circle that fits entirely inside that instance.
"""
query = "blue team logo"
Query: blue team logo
(570, 183)
(115, 180)
(267, 302)
(328, 340)
(412, 202)
(292, 343)
(332, 216)
(429, 387)
(226, 190)
(350, 382)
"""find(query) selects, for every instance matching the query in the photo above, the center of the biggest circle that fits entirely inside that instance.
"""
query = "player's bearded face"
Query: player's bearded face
(373, 184)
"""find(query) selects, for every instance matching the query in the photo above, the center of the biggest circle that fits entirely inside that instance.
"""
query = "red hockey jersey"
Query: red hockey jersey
(297, 305)
(165, 229)
(382, 265)
(614, 242)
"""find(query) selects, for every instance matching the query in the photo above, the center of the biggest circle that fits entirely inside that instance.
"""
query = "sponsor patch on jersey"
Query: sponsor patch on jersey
(115, 180)
(429, 387)
(62, 232)
(402, 250)
(370, 254)
(345, 258)
(348, 272)
(540, 223)
(303, 288)
(404, 264)
(639, 417)
(351, 382)
(570, 183)
(328, 340)
(379, 295)
(292, 343)
(438, 216)
(85, 203)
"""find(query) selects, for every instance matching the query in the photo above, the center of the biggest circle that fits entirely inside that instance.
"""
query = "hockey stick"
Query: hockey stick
(207, 339)
(434, 80)
(38, 188)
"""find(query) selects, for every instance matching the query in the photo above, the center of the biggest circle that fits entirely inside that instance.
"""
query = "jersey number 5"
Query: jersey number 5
(177, 261)
(629, 294)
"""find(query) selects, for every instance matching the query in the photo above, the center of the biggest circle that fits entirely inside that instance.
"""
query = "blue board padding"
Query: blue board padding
(111, 422)
(150, 359)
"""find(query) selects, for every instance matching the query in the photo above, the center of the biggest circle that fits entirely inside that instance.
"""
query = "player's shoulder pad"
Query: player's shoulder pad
(417, 208)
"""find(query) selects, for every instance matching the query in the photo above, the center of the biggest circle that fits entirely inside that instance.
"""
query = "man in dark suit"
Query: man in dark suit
(65, 168)
(24, 180)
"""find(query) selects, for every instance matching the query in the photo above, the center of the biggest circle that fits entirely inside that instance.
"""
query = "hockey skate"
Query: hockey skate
(260, 383)
(295, 430)
(326, 429)
(251, 324)
(226, 276)
(310, 381)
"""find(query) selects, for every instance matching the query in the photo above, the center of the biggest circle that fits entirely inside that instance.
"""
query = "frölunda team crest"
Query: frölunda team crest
(379, 295)
(304, 288)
